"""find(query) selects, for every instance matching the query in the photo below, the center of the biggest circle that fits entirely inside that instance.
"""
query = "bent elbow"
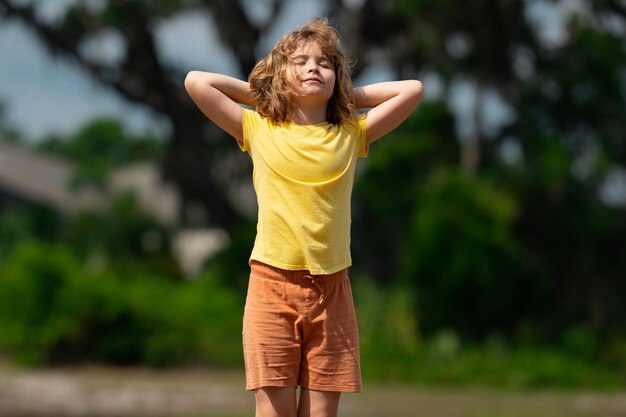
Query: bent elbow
(191, 80)
(417, 90)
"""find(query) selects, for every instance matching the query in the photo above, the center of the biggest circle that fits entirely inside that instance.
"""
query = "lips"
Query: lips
(317, 80)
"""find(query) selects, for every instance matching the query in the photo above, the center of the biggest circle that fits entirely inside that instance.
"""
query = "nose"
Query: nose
(312, 67)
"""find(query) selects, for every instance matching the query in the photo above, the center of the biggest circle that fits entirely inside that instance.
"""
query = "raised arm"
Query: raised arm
(218, 97)
(390, 102)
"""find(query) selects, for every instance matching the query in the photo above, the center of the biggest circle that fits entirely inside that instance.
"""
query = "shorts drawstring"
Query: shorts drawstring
(317, 285)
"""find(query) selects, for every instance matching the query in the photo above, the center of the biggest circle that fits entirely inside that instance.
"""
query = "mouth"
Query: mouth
(312, 79)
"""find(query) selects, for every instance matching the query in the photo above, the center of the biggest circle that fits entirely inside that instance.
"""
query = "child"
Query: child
(304, 137)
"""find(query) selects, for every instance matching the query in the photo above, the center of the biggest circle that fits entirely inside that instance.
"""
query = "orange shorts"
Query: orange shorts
(300, 329)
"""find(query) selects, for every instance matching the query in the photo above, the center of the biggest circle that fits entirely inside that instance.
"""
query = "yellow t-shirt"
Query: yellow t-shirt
(303, 176)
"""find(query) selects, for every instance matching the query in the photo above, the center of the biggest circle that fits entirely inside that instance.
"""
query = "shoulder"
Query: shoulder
(253, 122)
(357, 131)
(253, 117)
(355, 125)
(249, 115)
(250, 123)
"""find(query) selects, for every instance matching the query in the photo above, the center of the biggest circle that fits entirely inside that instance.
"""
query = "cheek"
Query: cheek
(333, 82)
(330, 76)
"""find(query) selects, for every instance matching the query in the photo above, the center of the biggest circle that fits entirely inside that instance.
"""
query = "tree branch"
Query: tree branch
(237, 31)
(126, 80)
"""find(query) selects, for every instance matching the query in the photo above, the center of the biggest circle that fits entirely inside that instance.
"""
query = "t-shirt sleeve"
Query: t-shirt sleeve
(250, 123)
(361, 134)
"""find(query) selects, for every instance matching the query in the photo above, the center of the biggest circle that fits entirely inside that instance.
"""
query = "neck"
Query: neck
(309, 115)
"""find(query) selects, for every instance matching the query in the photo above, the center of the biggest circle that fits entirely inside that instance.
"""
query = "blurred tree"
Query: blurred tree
(7, 132)
(385, 195)
(196, 162)
(462, 250)
(551, 157)
(124, 237)
(100, 146)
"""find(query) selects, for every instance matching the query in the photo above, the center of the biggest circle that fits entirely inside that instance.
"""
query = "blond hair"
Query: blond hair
(270, 92)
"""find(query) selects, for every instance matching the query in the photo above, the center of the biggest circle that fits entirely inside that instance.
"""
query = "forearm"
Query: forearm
(390, 104)
(198, 82)
(372, 95)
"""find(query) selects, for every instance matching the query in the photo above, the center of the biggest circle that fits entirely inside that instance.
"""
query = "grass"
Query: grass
(520, 369)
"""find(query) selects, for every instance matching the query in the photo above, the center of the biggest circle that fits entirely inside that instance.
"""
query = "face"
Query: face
(312, 74)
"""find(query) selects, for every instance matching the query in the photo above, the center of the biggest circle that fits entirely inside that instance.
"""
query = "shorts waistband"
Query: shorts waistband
(297, 276)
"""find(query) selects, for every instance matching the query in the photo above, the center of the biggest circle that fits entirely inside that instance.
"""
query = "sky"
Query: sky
(44, 95)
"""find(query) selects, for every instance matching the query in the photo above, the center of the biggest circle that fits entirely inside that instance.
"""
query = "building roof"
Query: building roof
(42, 178)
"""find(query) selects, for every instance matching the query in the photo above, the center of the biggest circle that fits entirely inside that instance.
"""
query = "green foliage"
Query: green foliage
(461, 250)
(27, 223)
(447, 238)
(100, 146)
(505, 368)
(124, 235)
(230, 265)
(54, 308)
(391, 349)
(393, 175)
(386, 319)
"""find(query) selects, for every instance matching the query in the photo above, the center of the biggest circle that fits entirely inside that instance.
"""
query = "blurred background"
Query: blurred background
(489, 230)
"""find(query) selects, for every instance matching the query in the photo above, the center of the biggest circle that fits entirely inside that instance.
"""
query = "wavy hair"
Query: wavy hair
(270, 92)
